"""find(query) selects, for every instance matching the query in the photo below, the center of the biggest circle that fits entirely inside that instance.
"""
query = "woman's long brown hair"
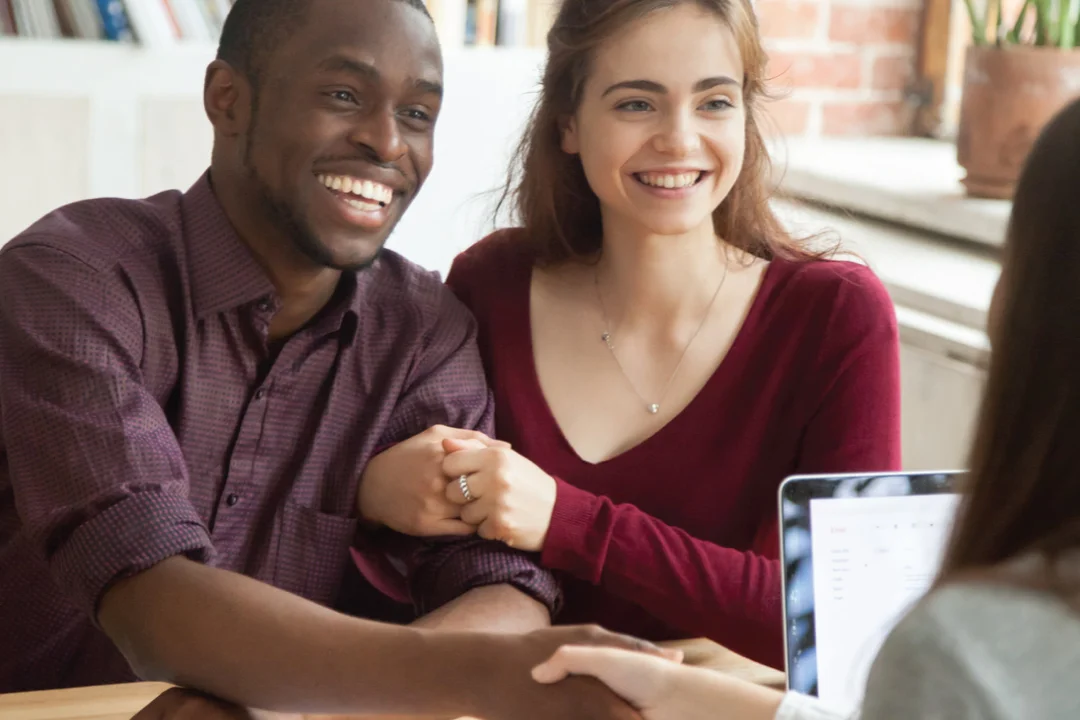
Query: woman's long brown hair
(548, 188)
(1022, 493)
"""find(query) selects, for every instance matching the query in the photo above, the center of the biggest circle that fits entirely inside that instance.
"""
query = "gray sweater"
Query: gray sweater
(971, 651)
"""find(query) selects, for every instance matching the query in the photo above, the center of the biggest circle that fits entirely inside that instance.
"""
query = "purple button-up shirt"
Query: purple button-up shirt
(143, 415)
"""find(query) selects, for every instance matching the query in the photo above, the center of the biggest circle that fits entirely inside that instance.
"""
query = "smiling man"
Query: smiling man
(192, 385)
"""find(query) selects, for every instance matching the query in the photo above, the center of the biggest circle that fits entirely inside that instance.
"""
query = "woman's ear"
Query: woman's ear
(568, 133)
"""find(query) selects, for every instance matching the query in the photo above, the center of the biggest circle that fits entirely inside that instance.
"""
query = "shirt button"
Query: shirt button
(232, 499)
(260, 394)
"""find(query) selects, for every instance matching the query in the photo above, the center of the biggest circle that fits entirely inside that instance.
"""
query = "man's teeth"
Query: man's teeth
(665, 180)
(377, 193)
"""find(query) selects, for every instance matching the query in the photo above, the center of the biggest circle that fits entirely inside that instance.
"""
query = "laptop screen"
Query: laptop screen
(858, 554)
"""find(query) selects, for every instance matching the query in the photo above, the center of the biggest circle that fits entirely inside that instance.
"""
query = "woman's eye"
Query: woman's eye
(634, 106)
(718, 104)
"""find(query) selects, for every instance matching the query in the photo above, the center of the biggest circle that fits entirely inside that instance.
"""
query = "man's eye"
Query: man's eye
(417, 114)
(343, 96)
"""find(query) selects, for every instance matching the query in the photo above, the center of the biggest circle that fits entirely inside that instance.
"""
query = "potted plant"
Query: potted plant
(1016, 77)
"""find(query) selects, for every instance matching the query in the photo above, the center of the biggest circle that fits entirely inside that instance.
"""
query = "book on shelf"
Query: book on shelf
(507, 23)
(163, 23)
(154, 23)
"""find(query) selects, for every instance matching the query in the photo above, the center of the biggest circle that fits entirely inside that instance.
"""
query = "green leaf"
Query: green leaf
(1044, 26)
(978, 26)
(1018, 27)
(1070, 15)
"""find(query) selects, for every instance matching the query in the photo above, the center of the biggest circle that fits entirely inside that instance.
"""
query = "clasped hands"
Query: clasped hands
(414, 488)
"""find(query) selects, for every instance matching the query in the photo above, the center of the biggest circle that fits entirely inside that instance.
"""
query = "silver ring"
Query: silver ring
(463, 483)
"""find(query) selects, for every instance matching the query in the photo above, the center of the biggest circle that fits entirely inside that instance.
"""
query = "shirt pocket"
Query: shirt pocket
(313, 552)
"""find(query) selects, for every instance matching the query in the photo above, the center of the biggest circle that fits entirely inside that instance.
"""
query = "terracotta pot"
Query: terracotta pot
(1009, 94)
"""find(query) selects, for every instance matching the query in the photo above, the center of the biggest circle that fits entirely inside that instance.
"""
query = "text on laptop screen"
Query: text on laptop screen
(873, 558)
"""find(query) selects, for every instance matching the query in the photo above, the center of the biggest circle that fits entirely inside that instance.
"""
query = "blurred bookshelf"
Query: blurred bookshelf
(165, 23)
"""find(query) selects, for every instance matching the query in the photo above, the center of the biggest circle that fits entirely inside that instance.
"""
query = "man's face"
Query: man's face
(342, 133)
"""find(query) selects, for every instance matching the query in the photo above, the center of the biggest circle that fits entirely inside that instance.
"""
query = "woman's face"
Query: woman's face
(661, 124)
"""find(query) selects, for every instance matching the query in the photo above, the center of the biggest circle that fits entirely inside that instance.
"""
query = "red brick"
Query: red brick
(874, 25)
(803, 70)
(892, 72)
(864, 118)
(786, 117)
(786, 19)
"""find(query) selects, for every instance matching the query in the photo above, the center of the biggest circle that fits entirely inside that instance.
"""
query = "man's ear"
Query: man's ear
(568, 134)
(227, 99)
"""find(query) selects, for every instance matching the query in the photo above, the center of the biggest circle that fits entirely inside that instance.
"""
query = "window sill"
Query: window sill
(909, 181)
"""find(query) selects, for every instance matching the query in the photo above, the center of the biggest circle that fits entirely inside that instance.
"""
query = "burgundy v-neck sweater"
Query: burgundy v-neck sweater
(677, 536)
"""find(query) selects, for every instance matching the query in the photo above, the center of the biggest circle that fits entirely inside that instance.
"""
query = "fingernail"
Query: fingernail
(541, 673)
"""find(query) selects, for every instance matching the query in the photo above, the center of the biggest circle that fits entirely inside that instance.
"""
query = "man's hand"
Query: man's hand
(404, 488)
(513, 694)
(183, 704)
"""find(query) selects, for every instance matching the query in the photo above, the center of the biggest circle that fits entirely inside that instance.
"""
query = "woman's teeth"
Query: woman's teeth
(667, 180)
(376, 194)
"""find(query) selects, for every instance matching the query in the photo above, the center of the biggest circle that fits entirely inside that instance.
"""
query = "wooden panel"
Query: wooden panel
(932, 66)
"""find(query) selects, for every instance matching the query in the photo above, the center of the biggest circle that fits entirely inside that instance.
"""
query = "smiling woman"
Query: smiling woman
(662, 353)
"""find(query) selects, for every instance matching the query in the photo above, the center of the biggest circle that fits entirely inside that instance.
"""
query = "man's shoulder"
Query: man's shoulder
(407, 288)
(103, 231)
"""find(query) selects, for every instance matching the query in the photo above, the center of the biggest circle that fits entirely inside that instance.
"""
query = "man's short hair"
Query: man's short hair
(255, 27)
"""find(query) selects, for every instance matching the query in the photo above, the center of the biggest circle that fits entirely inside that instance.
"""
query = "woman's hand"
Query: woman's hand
(511, 498)
(404, 487)
(661, 689)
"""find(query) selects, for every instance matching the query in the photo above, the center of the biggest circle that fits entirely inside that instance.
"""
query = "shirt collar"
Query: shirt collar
(225, 275)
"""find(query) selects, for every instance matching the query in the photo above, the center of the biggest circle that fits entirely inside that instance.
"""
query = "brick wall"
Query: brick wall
(841, 67)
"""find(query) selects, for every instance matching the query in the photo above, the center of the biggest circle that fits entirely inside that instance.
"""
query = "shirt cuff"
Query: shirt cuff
(445, 571)
(126, 538)
(796, 706)
(577, 540)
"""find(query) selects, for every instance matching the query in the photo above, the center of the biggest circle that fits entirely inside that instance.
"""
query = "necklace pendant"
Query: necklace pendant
(605, 336)
(653, 409)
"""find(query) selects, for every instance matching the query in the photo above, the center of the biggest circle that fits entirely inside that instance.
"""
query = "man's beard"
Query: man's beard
(285, 216)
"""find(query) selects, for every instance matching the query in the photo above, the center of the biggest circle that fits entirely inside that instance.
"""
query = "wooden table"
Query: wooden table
(120, 702)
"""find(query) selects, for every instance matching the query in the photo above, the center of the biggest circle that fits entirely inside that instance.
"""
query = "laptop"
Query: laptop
(856, 551)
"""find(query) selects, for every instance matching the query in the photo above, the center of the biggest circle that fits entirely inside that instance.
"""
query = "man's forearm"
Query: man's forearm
(258, 646)
(494, 608)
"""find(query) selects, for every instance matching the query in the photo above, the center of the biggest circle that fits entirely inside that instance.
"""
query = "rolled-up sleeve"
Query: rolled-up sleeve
(450, 389)
(98, 476)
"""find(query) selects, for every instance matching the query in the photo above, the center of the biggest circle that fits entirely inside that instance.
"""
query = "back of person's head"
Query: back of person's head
(548, 187)
(1023, 490)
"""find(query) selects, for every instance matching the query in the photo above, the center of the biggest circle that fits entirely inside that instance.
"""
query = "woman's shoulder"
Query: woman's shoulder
(494, 253)
(835, 280)
(493, 264)
(834, 299)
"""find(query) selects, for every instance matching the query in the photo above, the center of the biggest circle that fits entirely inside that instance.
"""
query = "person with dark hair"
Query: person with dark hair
(192, 385)
(662, 352)
(996, 638)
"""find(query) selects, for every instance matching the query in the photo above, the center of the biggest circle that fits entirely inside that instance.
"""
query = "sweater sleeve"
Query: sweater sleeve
(734, 596)
(855, 426)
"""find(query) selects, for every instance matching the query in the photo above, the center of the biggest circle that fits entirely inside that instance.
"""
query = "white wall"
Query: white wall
(82, 120)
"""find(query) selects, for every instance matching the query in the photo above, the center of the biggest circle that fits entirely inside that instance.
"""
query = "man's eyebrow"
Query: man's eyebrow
(655, 87)
(341, 63)
(367, 71)
(428, 87)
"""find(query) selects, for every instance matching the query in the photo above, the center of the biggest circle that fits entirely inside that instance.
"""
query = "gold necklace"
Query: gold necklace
(606, 337)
